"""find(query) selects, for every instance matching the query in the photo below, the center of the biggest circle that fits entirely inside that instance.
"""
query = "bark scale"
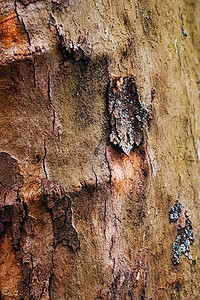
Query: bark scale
(88, 187)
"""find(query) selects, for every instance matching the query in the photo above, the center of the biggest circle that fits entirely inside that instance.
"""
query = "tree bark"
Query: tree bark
(99, 149)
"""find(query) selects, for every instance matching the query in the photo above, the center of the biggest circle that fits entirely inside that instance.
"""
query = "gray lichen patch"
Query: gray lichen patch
(184, 233)
(175, 212)
(128, 116)
(183, 240)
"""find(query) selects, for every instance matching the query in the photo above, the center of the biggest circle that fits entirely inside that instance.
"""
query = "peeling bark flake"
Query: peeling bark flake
(10, 177)
(72, 50)
(60, 205)
(27, 2)
(58, 5)
(128, 116)
(14, 212)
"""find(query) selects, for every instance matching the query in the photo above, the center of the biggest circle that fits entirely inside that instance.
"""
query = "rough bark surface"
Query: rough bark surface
(94, 202)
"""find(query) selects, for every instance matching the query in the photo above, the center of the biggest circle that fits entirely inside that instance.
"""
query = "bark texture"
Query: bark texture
(96, 202)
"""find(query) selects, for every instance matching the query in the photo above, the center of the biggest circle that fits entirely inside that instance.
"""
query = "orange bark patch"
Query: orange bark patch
(10, 270)
(12, 32)
(127, 173)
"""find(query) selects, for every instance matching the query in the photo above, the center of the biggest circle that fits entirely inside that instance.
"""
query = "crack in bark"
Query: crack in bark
(96, 179)
(15, 9)
(43, 160)
(49, 90)
(54, 119)
(105, 210)
(113, 268)
(116, 218)
(5, 198)
(109, 168)
(111, 246)
(26, 31)
(50, 103)
(22, 21)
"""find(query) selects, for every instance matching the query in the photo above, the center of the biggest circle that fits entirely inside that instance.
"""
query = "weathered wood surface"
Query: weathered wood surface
(80, 217)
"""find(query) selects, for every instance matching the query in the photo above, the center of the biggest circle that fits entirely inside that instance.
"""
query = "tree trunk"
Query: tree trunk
(100, 149)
